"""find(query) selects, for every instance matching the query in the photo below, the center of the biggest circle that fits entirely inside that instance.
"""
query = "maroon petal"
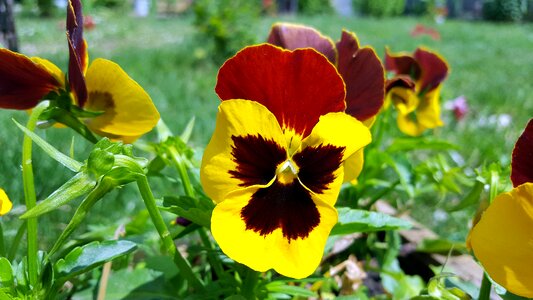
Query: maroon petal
(23, 83)
(401, 64)
(433, 67)
(296, 86)
(363, 75)
(522, 161)
(292, 37)
(77, 51)
(400, 81)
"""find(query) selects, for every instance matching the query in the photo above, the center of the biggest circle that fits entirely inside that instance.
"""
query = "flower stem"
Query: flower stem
(249, 284)
(29, 193)
(189, 191)
(168, 243)
(485, 289)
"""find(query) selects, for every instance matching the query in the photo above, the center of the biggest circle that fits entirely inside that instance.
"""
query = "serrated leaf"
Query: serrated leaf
(77, 186)
(92, 255)
(355, 220)
(63, 159)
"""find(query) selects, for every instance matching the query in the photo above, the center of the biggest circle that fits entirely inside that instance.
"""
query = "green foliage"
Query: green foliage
(352, 220)
(379, 8)
(224, 24)
(503, 10)
(315, 7)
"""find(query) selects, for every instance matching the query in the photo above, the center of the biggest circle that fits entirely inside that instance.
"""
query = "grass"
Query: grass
(490, 67)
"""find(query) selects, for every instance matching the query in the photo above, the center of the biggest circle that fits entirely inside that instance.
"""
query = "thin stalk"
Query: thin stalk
(168, 243)
(381, 194)
(249, 284)
(189, 191)
(2, 244)
(485, 289)
(29, 194)
(16, 242)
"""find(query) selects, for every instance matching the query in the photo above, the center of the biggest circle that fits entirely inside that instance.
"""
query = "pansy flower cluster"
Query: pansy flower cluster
(102, 95)
(289, 122)
(415, 89)
(502, 240)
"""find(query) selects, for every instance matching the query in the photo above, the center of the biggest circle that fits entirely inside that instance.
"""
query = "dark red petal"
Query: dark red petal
(433, 69)
(296, 86)
(363, 75)
(256, 159)
(76, 77)
(289, 207)
(401, 64)
(522, 161)
(292, 37)
(23, 83)
(77, 51)
(400, 81)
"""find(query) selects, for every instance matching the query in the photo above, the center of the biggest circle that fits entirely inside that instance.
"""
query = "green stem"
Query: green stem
(168, 243)
(102, 188)
(179, 163)
(486, 285)
(16, 242)
(494, 181)
(29, 193)
(384, 192)
(2, 245)
(249, 284)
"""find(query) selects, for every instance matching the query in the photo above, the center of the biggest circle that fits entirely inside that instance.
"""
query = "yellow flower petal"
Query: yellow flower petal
(5, 204)
(52, 69)
(503, 240)
(339, 130)
(428, 111)
(128, 109)
(296, 258)
(353, 166)
(237, 120)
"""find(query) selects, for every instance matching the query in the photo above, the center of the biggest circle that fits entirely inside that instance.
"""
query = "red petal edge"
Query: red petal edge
(363, 75)
(296, 86)
(23, 83)
(292, 37)
(522, 159)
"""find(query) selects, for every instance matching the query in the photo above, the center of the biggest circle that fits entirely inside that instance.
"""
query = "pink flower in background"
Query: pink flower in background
(459, 107)
(423, 30)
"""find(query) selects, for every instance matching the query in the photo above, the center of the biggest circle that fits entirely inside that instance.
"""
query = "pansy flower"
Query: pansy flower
(359, 67)
(502, 240)
(274, 164)
(5, 204)
(415, 89)
(123, 109)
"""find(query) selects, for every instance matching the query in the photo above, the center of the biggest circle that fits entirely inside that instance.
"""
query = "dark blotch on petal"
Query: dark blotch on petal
(317, 166)
(256, 158)
(522, 162)
(288, 207)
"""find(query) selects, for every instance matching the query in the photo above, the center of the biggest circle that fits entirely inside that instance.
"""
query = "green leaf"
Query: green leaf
(442, 246)
(471, 199)
(63, 159)
(92, 255)
(281, 287)
(187, 132)
(355, 220)
(77, 186)
(6, 274)
(100, 161)
(199, 213)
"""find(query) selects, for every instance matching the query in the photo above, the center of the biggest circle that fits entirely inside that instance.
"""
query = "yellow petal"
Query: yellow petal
(503, 240)
(238, 119)
(5, 204)
(428, 111)
(52, 69)
(296, 258)
(339, 130)
(128, 109)
(353, 166)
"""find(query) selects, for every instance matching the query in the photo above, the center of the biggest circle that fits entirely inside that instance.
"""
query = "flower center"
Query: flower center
(287, 172)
